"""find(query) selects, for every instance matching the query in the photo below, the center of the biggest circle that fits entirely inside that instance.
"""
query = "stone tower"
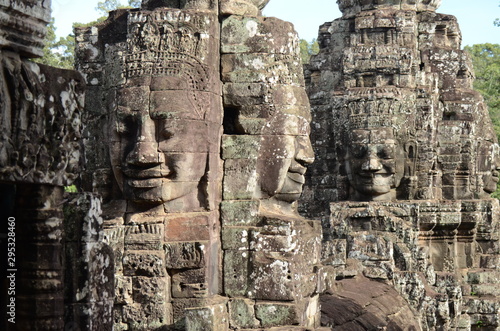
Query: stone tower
(406, 151)
(197, 138)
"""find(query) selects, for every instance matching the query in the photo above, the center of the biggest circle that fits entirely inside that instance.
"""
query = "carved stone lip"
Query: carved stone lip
(145, 173)
(297, 168)
(370, 175)
(297, 177)
(145, 183)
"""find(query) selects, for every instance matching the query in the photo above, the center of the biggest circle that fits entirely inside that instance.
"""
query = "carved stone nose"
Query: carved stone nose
(304, 151)
(145, 154)
(372, 164)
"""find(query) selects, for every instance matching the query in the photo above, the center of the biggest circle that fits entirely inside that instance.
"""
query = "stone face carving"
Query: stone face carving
(162, 115)
(374, 163)
(405, 150)
(270, 252)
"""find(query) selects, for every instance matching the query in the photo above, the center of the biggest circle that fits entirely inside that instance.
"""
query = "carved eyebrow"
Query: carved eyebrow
(123, 114)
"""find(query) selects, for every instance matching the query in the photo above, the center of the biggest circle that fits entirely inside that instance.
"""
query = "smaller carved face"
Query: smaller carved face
(374, 163)
(284, 155)
(490, 167)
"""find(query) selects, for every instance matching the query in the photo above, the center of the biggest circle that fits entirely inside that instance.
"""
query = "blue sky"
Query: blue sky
(475, 17)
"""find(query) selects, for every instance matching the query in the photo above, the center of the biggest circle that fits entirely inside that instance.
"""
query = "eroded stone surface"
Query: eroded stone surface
(24, 26)
(270, 252)
(154, 94)
(407, 153)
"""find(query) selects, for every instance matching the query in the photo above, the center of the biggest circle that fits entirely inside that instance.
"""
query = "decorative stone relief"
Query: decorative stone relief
(270, 252)
(406, 153)
(163, 112)
(24, 26)
(40, 109)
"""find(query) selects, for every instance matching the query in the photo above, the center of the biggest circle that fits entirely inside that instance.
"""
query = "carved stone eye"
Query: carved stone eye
(385, 153)
(358, 151)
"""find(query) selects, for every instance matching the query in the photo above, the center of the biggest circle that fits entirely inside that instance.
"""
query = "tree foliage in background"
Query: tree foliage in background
(486, 61)
(103, 7)
(61, 53)
(58, 53)
(307, 49)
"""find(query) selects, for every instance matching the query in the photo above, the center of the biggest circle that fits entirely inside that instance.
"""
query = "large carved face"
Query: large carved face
(160, 146)
(374, 164)
(285, 152)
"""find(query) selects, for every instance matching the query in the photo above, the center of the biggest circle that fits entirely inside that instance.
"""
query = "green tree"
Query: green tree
(486, 61)
(57, 53)
(103, 7)
(106, 6)
(307, 49)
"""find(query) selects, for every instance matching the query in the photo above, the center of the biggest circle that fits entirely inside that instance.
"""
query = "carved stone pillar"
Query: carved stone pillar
(39, 155)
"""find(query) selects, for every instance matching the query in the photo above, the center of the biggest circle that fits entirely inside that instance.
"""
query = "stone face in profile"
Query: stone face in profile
(284, 155)
(488, 165)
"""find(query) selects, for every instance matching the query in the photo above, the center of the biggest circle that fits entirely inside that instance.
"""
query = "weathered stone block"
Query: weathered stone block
(240, 146)
(187, 227)
(150, 290)
(276, 314)
(123, 289)
(191, 283)
(144, 263)
(236, 273)
(238, 7)
(24, 26)
(144, 237)
(240, 213)
(334, 252)
(365, 246)
(146, 316)
(240, 179)
(244, 94)
(180, 308)
(236, 238)
(211, 318)
(258, 35)
(185, 255)
(272, 278)
(242, 314)
(258, 68)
